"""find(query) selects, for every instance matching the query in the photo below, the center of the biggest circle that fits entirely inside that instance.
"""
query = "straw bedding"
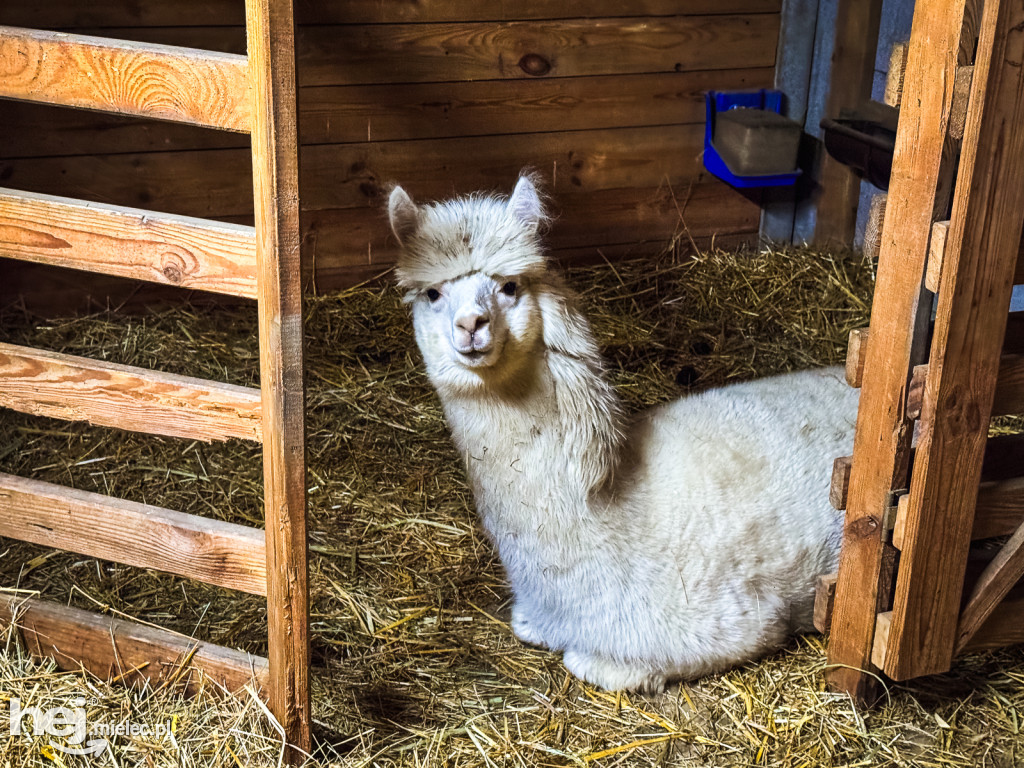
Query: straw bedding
(414, 662)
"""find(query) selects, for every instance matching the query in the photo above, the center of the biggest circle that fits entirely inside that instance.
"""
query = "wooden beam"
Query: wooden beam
(894, 78)
(850, 81)
(873, 227)
(995, 583)
(961, 99)
(936, 253)
(79, 389)
(839, 488)
(129, 78)
(213, 551)
(856, 354)
(127, 242)
(1004, 627)
(824, 597)
(110, 647)
(883, 437)
(275, 161)
(974, 293)
(1009, 392)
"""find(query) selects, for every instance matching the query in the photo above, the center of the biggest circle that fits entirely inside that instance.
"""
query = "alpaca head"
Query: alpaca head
(473, 267)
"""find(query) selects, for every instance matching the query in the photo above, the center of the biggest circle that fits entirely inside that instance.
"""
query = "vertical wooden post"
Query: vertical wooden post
(884, 432)
(271, 47)
(850, 80)
(973, 302)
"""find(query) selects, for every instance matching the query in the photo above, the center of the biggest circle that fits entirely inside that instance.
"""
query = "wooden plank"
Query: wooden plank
(850, 79)
(336, 238)
(1009, 392)
(168, 83)
(883, 624)
(1004, 627)
(122, 396)
(894, 78)
(173, 250)
(873, 227)
(116, 13)
(275, 161)
(110, 647)
(856, 355)
(995, 583)
(141, 535)
(974, 293)
(353, 114)
(961, 96)
(999, 510)
(936, 252)
(840, 486)
(215, 183)
(356, 54)
(824, 596)
(883, 436)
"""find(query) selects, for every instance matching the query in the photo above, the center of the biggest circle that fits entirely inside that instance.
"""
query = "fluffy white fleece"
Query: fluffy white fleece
(674, 545)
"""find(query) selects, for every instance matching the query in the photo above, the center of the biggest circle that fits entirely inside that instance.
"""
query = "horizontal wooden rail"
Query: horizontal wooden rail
(1009, 395)
(110, 395)
(128, 242)
(110, 647)
(160, 81)
(225, 554)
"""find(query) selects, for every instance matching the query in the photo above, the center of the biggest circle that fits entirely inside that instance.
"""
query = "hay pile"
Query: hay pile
(414, 662)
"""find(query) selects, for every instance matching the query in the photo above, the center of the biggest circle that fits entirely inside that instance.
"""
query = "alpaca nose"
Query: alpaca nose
(471, 322)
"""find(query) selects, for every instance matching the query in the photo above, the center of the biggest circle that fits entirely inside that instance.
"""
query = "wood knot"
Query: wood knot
(535, 65)
(174, 267)
(862, 528)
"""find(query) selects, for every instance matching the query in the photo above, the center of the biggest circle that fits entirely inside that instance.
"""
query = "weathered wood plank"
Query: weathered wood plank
(824, 597)
(213, 551)
(335, 238)
(169, 83)
(79, 389)
(883, 436)
(840, 487)
(961, 97)
(275, 162)
(1009, 392)
(353, 114)
(110, 647)
(974, 292)
(894, 78)
(995, 583)
(856, 355)
(936, 253)
(850, 80)
(215, 183)
(873, 227)
(174, 250)
(116, 13)
(1004, 627)
(355, 54)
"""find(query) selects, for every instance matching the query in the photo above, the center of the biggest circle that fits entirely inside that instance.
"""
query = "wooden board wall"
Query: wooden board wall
(441, 96)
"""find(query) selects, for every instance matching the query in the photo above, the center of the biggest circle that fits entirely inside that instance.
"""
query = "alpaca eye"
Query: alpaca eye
(509, 288)
(433, 294)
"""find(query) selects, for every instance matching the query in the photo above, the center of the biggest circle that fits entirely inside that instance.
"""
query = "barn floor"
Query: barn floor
(414, 662)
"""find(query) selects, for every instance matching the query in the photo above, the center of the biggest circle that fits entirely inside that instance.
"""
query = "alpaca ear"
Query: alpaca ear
(403, 215)
(525, 203)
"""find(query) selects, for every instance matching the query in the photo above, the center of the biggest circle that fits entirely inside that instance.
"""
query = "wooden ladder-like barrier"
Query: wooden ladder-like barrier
(253, 94)
(906, 602)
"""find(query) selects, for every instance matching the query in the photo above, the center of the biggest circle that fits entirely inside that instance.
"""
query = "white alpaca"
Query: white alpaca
(670, 547)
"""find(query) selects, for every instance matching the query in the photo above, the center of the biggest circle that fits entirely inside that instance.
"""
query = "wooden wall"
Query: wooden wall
(442, 96)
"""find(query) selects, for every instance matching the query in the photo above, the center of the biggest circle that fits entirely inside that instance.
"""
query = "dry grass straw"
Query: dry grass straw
(414, 662)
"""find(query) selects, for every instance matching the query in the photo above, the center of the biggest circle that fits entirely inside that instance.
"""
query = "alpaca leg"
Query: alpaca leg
(524, 630)
(613, 675)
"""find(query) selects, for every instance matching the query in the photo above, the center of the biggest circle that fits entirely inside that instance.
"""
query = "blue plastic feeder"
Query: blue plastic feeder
(720, 101)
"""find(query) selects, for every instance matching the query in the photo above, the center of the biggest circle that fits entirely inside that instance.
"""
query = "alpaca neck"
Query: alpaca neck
(538, 448)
